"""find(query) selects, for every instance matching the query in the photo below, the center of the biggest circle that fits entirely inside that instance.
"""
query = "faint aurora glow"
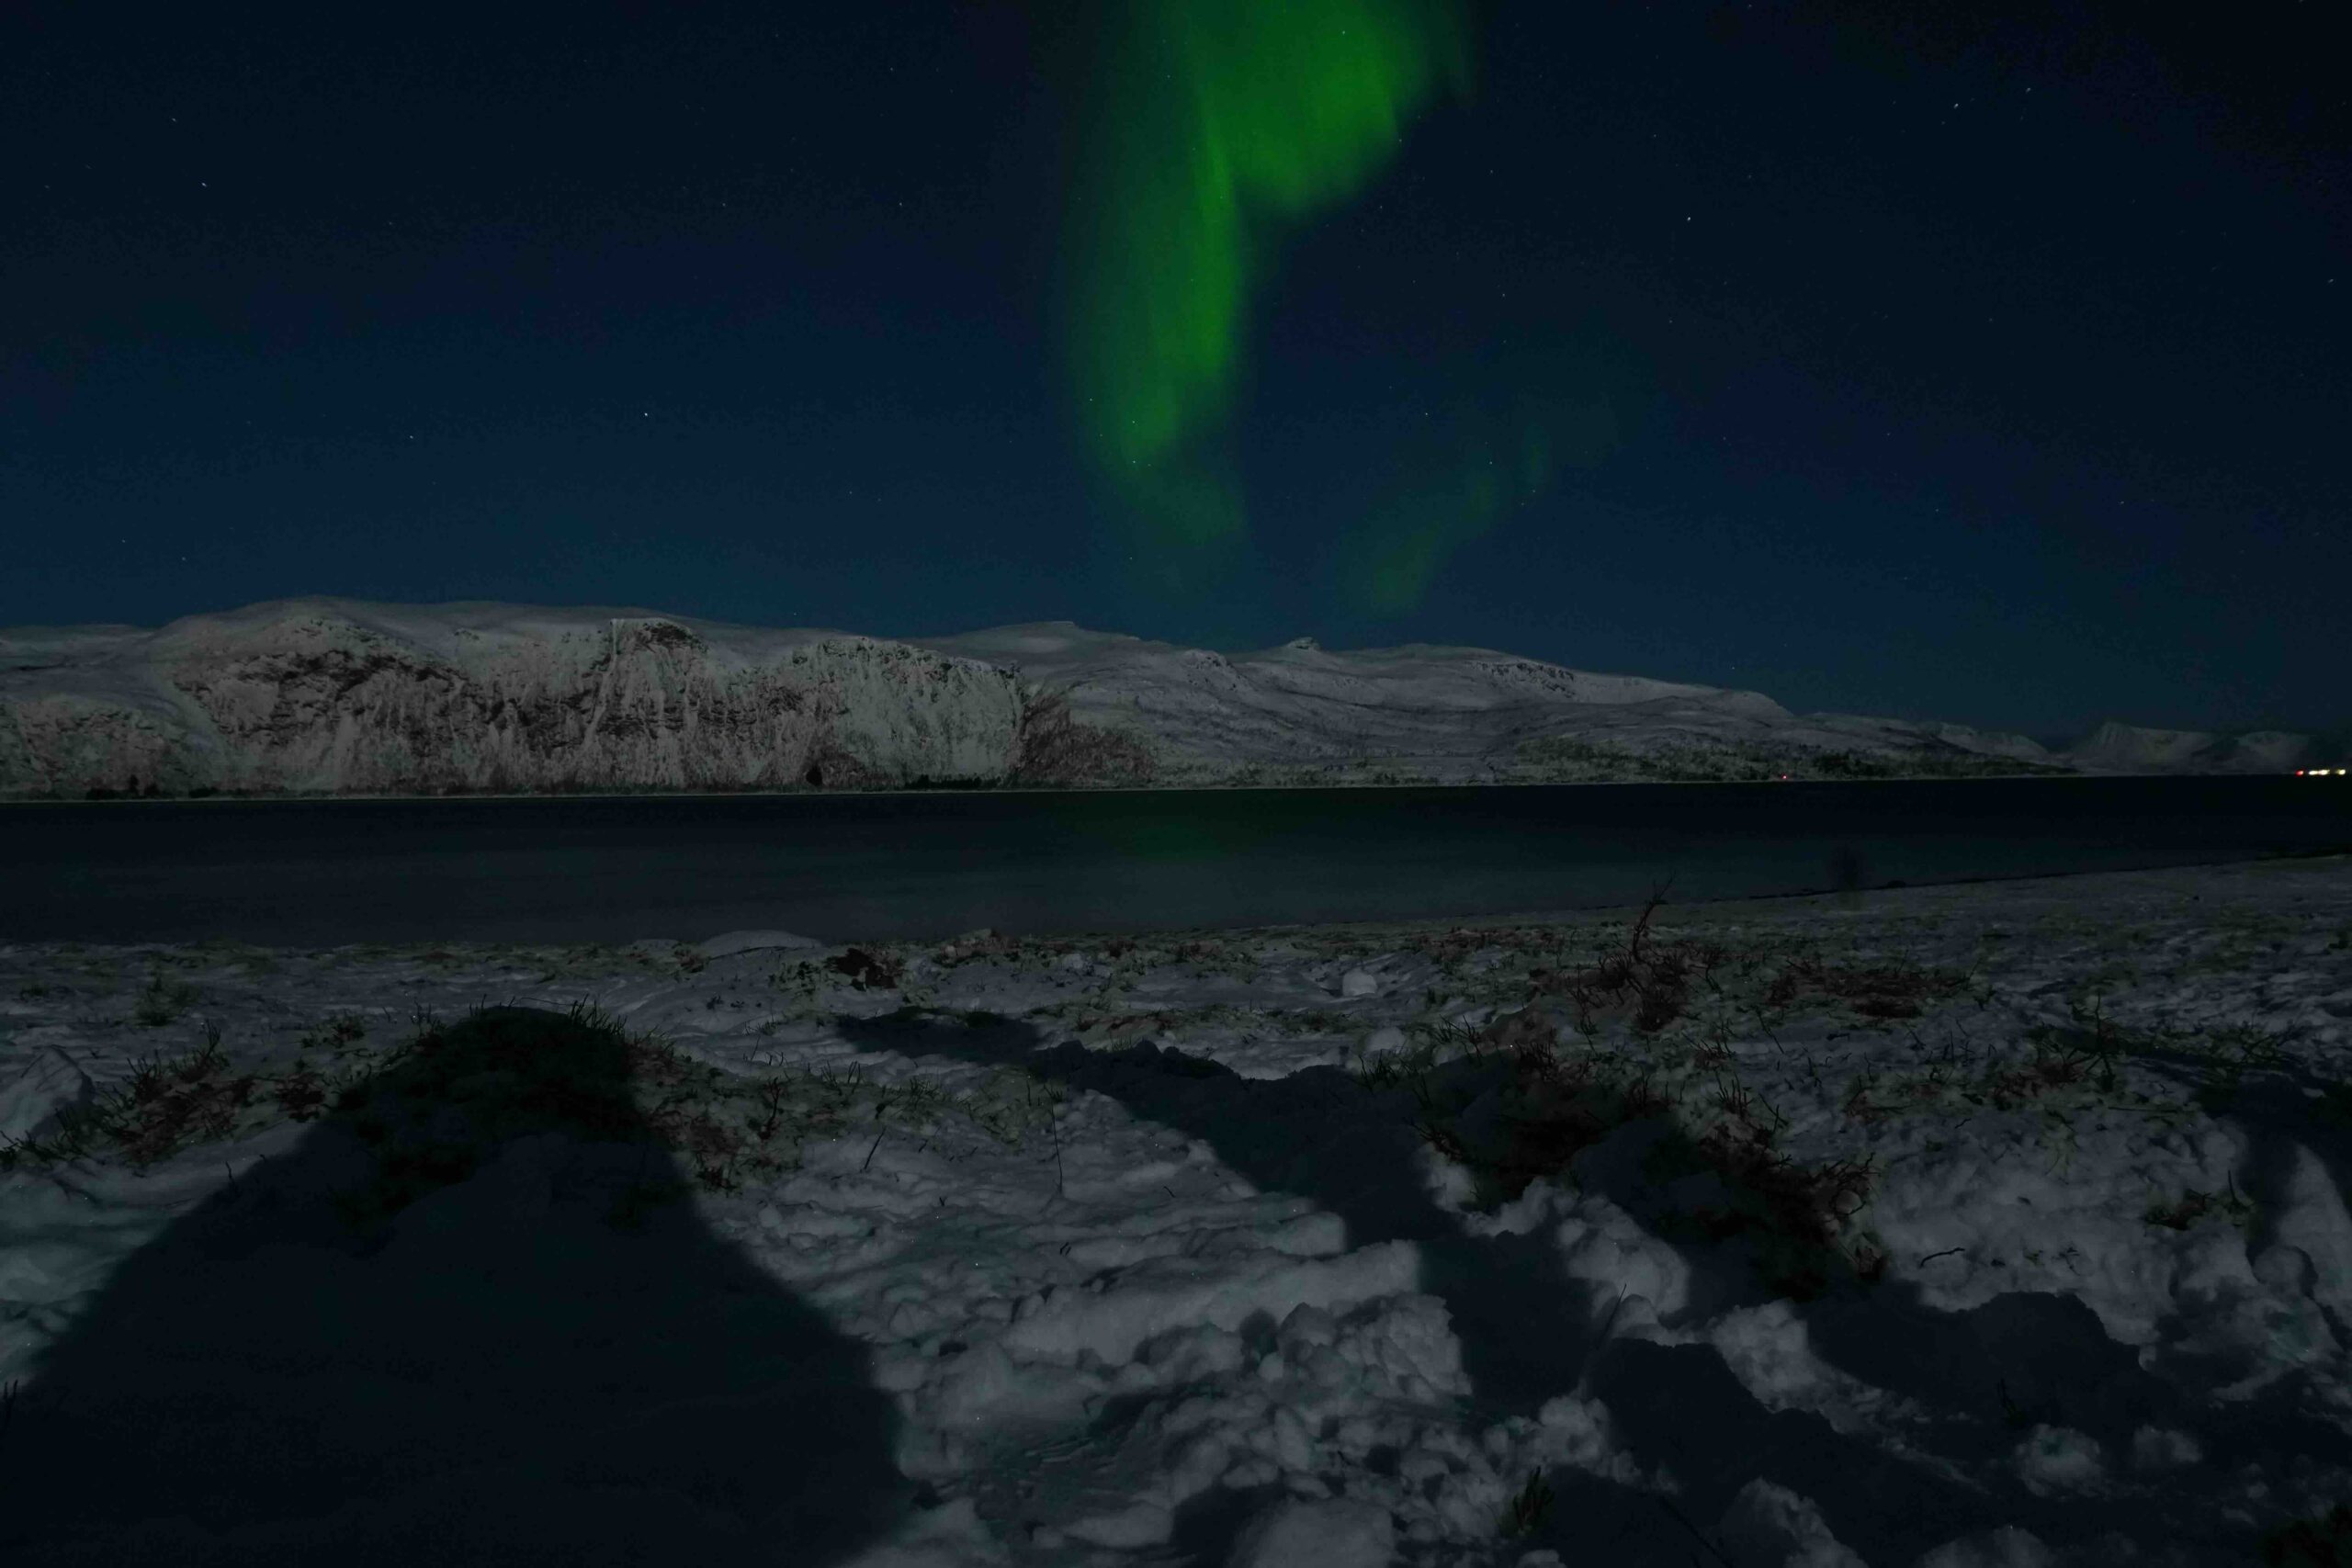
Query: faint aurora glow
(1216, 125)
(1434, 501)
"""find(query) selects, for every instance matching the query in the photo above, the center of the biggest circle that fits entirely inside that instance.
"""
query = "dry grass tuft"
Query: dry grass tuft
(168, 1104)
(1528, 1507)
(1515, 1107)
(1879, 991)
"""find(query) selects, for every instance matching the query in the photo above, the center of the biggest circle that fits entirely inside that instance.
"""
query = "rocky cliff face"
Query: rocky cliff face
(340, 697)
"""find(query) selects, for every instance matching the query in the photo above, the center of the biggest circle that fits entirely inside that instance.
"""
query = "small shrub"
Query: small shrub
(712, 1148)
(1012, 1104)
(2193, 1206)
(769, 1097)
(302, 1095)
(1660, 1006)
(1528, 1507)
(982, 944)
(336, 1029)
(168, 1105)
(162, 1001)
(1881, 991)
(866, 971)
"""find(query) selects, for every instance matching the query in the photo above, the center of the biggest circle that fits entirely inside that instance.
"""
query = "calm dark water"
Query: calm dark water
(919, 866)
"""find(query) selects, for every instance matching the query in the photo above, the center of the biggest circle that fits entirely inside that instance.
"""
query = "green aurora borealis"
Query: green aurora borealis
(1216, 125)
(1979, 364)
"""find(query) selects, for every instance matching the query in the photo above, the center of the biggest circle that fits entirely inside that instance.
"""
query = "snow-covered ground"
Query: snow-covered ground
(1996, 1225)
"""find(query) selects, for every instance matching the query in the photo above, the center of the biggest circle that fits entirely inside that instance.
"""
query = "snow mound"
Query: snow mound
(1317, 1535)
(1769, 1524)
(729, 943)
(39, 1096)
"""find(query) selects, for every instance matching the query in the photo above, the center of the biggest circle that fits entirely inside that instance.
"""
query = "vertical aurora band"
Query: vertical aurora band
(1216, 124)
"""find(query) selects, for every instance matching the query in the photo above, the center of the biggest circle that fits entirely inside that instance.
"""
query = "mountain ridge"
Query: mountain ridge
(328, 695)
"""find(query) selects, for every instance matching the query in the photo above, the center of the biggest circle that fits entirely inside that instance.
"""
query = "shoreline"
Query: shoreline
(1855, 902)
(806, 793)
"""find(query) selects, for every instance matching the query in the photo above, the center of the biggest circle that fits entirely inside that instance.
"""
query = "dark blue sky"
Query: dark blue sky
(1988, 368)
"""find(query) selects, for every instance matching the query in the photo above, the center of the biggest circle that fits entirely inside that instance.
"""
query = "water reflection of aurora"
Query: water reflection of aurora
(1149, 833)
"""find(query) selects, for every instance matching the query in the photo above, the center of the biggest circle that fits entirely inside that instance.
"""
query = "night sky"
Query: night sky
(1987, 364)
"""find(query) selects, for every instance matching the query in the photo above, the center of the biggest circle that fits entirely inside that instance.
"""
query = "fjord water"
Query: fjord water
(924, 864)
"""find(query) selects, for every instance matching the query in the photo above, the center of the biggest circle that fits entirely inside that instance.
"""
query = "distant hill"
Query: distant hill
(2123, 748)
(340, 697)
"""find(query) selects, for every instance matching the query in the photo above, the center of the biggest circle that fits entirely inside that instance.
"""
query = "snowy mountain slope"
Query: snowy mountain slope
(336, 695)
(1442, 713)
(1997, 1224)
(1458, 715)
(1984, 742)
(2125, 747)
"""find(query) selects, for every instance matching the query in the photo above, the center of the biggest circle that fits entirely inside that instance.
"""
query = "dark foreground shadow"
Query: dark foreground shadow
(468, 1319)
(1986, 1377)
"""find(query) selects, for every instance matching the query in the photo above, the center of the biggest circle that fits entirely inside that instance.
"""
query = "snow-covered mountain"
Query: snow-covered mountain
(2125, 747)
(335, 696)
(342, 696)
(1299, 712)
